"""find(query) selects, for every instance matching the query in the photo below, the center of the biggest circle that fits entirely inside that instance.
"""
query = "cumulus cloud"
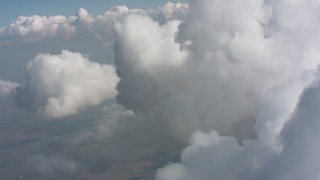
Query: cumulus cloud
(299, 158)
(62, 85)
(170, 11)
(84, 32)
(233, 70)
(211, 156)
(101, 26)
(36, 28)
(39, 27)
(209, 74)
(7, 87)
(140, 60)
(233, 77)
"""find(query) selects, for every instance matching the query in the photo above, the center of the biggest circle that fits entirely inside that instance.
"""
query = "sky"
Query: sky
(209, 89)
(9, 10)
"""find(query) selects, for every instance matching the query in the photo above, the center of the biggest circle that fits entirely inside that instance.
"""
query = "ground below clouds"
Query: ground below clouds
(37, 150)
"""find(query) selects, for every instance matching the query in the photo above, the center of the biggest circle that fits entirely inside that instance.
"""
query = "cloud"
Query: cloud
(236, 78)
(208, 157)
(145, 63)
(51, 165)
(61, 85)
(84, 32)
(39, 27)
(170, 11)
(211, 156)
(266, 41)
(106, 125)
(7, 87)
(233, 70)
(298, 158)
(211, 73)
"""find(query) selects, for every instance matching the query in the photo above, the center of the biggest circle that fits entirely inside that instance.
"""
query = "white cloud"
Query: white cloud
(61, 85)
(147, 52)
(227, 64)
(218, 71)
(39, 27)
(170, 11)
(85, 32)
(215, 73)
(261, 58)
(210, 156)
(299, 158)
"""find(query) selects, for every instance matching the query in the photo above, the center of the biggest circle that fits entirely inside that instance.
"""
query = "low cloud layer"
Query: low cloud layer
(62, 85)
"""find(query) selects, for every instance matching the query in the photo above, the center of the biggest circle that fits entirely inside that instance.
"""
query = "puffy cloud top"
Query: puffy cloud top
(39, 27)
(35, 28)
(251, 60)
(174, 11)
(61, 85)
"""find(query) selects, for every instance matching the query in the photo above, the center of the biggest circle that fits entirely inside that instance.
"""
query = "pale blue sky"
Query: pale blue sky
(11, 9)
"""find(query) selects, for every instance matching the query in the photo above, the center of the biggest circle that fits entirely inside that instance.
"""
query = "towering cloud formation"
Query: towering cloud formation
(233, 67)
(217, 73)
(61, 85)
(227, 57)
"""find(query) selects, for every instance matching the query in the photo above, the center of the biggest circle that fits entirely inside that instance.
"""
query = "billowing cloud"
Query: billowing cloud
(61, 85)
(239, 79)
(39, 27)
(210, 156)
(217, 71)
(299, 157)
(233, 70)
(36, 28)
(84, 32)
